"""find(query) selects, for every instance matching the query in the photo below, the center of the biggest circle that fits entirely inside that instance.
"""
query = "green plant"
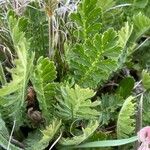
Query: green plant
(126, 121)
(75, 103)
(87, 132)
(41, 139)
(13, 94)
(99, 53)
(108, 108)
(42, 79)
(83, 91)
(4, 137)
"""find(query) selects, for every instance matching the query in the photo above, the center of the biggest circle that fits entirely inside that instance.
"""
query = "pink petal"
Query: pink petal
(144, 135)
(144, 147)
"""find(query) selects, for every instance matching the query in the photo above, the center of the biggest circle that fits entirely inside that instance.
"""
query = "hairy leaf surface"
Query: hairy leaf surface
(126, 121)
(75, 103)
(43, 82)
(41, 139)
(94, 61)
(88, 131)
(14, 92)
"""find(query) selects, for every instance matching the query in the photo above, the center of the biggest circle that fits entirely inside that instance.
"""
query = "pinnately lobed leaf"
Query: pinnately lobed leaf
(141, 24)
(94, 58)
(43, 82)
(41, 139)
(87, 18)
(88, 131)
(146, 79)
(75, 103)
(97, 57)
(15, 91)
(126, 120)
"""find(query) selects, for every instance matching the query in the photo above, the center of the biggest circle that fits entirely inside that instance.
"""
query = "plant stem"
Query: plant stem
(2, 75)
(56, 141)
(51, 36)
(10, 138)
(139, 119)
(17, 143)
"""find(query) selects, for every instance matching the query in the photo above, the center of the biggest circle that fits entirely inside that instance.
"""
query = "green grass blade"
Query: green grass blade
(108, 143)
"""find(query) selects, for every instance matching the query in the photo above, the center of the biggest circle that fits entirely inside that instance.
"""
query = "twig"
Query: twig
(111, 84)
(139, 119)
(17, 143)
(137, 84)
(118, 6)
(50, 36)
(139, 123)
(148, 38)
(10, 138)
(56, 141)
